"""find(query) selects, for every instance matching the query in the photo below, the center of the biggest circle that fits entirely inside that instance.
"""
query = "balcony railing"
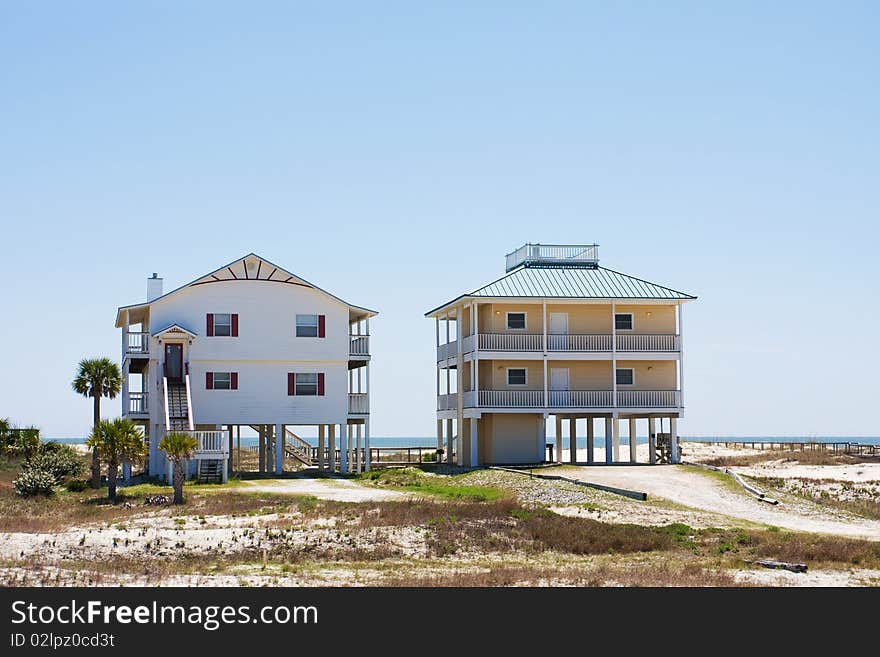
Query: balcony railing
(447, 402)
(578, 342)
(358, 402)
(447, 350)
(512, 398)
(137, 342)
(511, 342)
(211, 444)
(359, 345)
(572, 255)
(648, 398)
(563, 399)
(648, 342)
(137, 402)
(581, 398)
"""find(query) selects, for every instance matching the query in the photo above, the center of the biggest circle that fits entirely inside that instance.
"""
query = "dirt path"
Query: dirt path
(341, 490)
(701, 491)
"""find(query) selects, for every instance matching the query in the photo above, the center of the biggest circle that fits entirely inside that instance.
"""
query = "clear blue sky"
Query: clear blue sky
(393, 153)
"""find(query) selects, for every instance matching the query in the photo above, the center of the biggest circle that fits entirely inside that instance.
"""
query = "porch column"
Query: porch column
(331, 455)
(359, 428)
(238, 446)
(558, 455)
(439, 434)
(542, 438)
(343, 448)
(231, 446)
(559, 444)
(367, 453)
(449, 438)
(590, 439)
(475, 452)
(262, 449)
(270, 453)
(652, 442)
(280, 439)
(321, 446)
(615, 428)
(608, 440)
(675, 451)
(572, 440)
(632, 440)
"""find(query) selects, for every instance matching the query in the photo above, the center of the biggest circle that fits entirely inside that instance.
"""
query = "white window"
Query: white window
(623, 321)
(516, 321)
(307, 326)
(222, 324)
(626, 376)
(306, 384)
(222, 380)
(516, 376)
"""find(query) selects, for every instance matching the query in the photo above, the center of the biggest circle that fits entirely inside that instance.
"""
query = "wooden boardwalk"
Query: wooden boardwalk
(840, 447)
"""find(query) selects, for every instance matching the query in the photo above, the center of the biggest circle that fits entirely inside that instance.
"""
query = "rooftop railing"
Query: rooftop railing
(571, 255)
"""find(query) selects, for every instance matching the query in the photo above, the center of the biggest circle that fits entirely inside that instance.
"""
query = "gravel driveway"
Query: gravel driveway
(699, 490)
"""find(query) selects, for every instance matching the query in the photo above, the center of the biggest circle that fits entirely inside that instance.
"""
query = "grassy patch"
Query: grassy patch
(803, 457)
(447, 487)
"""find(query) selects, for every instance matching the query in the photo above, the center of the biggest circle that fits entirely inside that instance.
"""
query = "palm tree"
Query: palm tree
(115, 442)
(96, 378)
(178, 447)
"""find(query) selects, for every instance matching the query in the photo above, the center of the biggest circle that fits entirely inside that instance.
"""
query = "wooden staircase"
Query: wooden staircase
(178, 410)
(210, 471)
(297, 448)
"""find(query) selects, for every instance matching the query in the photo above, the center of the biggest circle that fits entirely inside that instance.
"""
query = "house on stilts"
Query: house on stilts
(559, 336)
(251, 345)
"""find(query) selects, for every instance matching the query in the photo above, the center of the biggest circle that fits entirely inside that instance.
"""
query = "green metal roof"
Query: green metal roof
(572, 283)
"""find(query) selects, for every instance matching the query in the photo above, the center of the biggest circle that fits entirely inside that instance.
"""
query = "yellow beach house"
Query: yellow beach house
(559, 335)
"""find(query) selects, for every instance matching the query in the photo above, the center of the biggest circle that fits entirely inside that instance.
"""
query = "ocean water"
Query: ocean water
(431, 441)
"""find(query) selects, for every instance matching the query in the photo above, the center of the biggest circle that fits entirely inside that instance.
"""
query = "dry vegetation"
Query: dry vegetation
(466, 535)
(806, 457)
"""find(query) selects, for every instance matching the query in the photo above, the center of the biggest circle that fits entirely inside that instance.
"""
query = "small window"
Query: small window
(623, 321)
(516, 376)
(222, 324)
(306, 384)
(306, 326)
(625, 376)
(223, 380)
(516, 321)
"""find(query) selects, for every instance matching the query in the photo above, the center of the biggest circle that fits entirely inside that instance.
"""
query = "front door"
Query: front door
(558, 332)
(559, 386)
(174, 362)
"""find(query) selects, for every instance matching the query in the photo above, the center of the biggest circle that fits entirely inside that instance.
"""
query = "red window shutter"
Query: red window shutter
(233, 380)
(209, 380)
(210, 325)
(291, 383)
(321, 384)
(235, 325)
(321, 326)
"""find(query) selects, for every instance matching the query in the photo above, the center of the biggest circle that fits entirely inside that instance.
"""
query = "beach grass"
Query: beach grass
(443, 486)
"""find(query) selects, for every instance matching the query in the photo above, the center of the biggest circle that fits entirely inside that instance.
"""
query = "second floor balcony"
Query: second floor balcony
(563, 399)
(565, 343)
(359, 345)
(136, 343)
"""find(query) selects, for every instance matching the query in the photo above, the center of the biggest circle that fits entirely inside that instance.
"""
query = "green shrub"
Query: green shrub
(61, 461)
(34, 482)
(23, 442)
(76, 485)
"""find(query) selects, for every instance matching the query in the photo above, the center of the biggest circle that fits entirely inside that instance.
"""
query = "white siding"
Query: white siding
(262, 394)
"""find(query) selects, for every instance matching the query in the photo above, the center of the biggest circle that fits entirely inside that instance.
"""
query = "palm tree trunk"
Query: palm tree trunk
(96, 464)
(112, 469)
(178, 481)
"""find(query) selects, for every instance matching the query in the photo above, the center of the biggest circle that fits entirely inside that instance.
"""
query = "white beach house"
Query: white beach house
(558, 335)
(249, 344)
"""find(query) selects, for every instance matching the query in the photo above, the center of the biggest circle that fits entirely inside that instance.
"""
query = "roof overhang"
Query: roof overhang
(466, 299)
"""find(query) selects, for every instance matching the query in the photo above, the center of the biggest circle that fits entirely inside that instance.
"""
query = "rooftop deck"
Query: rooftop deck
(554, 255)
